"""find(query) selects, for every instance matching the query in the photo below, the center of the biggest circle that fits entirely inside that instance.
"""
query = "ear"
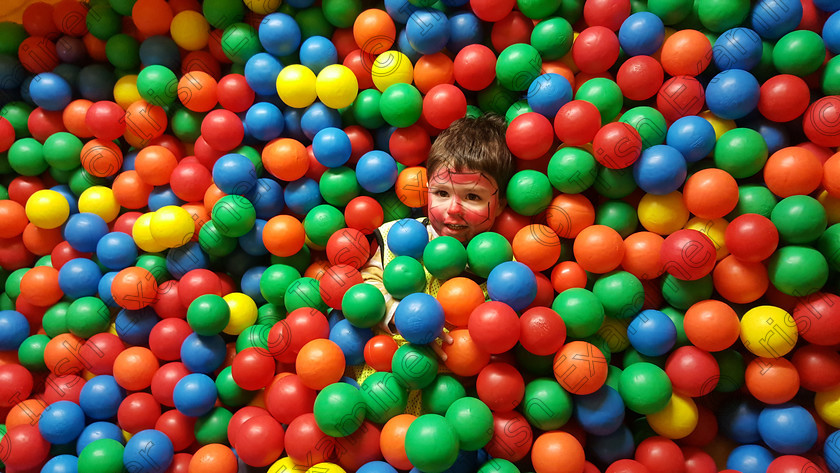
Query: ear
(501, 206)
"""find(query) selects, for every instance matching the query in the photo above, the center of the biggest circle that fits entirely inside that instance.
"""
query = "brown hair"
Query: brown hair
(475, 144)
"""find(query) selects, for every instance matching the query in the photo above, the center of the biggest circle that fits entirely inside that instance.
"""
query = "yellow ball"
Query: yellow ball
(190, 30)
(172, 226)
(391, 67)
(47, 209)
(827, 404)
(336, 86)
(768, 331)
(663, 214)
(142, 234)
(721, 125)
(125, 91)
(678, 418)
(285, 465)
(243, 312)
(831, 205)
(296, 86)
(99, 200)
(262, 7)
(614, 332)
(714, 229)
(325, 467)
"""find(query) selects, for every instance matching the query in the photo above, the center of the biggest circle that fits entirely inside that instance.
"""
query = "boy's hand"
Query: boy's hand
(385, 323)
(438, 349)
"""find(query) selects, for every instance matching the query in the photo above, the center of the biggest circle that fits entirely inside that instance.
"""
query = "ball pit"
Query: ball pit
(189, 193)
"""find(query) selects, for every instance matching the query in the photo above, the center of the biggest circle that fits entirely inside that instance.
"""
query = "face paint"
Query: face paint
(462, 204)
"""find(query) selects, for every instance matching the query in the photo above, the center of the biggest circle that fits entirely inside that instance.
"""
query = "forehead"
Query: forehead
(445, 175)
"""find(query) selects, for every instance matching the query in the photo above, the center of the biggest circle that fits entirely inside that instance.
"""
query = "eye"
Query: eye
(441, 193)
(473, 197)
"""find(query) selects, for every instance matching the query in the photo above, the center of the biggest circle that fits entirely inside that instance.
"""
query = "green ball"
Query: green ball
(517, 66)
(683, 294)
(798, 270)
(255, 336)
(26, 157)
(529, 192)
(384, 397)
(186, 124)
(649, 122)
(831, 77)
(275, 280)
(212, 427)
(519, 107)
(63, 151)
(103, 22)
(613, 376)
(234, 216)
(534, 364)
(431, 443)
(157, 85)
(486, 251)
(552, 38)
(472, 421)
(123, 7)
(363, 305)
(445, 257)
(392, 206)
(304, 292)
(321, 222)
(11, 35)
(721, 15)
(366, 109)
(645, 388)
(621, 294)
(300, 260)
(341, 13)
(799, 52)
(123, 52)
(155, 264)
(55, 319)
(312, 22)
(581, 310)
(496, 99)
(614, 183)
(415, 366)
(753, 199)
(103, 455)
(240, 41)
(605, 94)
(223, 13)
(81, 180)
(404, 275)
(213, 242)
(230, 394)
(438, 396)
(741, 152)
(829, 246)
(18, 115)
(339, 186)
(732, 370)
(269, 314)
(339, 409)
(546, 405)
(401, 105)
(572, 170)
(88, 316)
(31, 352)
(800, 219)
(12, 284)
(670, 11)
(499, 465)
(208, 314)
(677, 318)
(765, 69)
(538, 9)
(618, 215)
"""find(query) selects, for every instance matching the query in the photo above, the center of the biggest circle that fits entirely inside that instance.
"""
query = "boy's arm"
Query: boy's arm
(372, 273)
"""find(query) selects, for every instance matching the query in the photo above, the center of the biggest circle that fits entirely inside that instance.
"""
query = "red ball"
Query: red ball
(364, 213)
(692, 371)
(360, 447)
(494, 327)
(660, 455)
(336, 281)
(287, 398)
(100, 351)
(617, 145)
(595, 50)
(168, 305)
(680, 96)
(234, 93)
(475, 67)
(688, 254)
(821, 122)
(706, 430)
(640, 77)
(164, 381)
(180, 429)
(15, 384)
(698, 461)
(443, 104)
(306, 444)
(106, 120)
(24, 448)
(410, 145)
(37, 54)
(241, 416)
(577, 122)
(626, 466)
(259, 441)
(491, 10)
(512, 436)
(138, 411)
(783, 98)
(198, 282)
(43, 123)
(63, 253)
(751, 237)
(253, 368)
(513, 28)
(529, 136)
(190, 180)
(222, 130)
(166, 338)
(500, 386)
(348, 246)
(379, 351)
(542, 331)
(287, 336)
(360, 63)
(792, 464)
(818, 367)
(7, 134)
(608, 13)
(361, 142)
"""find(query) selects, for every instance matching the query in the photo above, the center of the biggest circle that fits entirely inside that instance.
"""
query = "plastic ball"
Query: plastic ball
(216, 456)
(570, 363)
(754, 328)
(641, 33)
(787, 429)
(577, 122)
(598, 249)
(194, 394)
(46, 209)
(686, 53)
(376, 171)
(786, 268)
(414, 327)
(688, 254)
(512, 283)
(151, 448)
(408, 237)
(645, 388)
(50, 91)
(652, 333)
(61, 422)
(660, 170)
(259, 441)
(320, 363)
(779, 175)
(595, 50)
(337, 409)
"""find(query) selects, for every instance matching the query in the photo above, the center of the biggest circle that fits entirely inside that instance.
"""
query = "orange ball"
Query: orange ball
(134, 288)
(13, 216)
(568, 214)
(459, 296)
(536, 246)
(135, 367)
(793, 171)
(740, 282)
(317, 269)
(641, 255)
(27, 411)
(213, 457)
(831, 175)
(557, 452)
(130, 191)
(39, 286)
(285, 159)
(320, 363)
(211, 196)
(74, 115)
(566, 275)
(61, 354)
(154, 165)
(283, 235)
(412, 187)
(686, 53)
(392, 441)
(463, 356)
(374, 31)
(101, 158)
(199, 215)
(710, 193)
(598, 249)
(41, 241)
(772, 380)
(433, 69)
(197, 91)
(580, 367)
(711, 325)
(152, 17)
(144, 122)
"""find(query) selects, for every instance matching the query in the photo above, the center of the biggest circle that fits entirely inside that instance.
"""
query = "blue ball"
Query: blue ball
(351, 340)
(64, 190)
(134, 326)
(376, 171)
(776, 135)
(96, 82)
(693, 136)
(252, 242)
(116, 251)
(279, 34)
(291, 123)
(828, 6)
(831, 451)
(181, 260)
(97, 431)
(737, 48)
(406, 48)
(250, 284)
(264, 121)
(234, 174)
(160, 50)
(203, 353)
(831, 33)
(331, 147)
(104, 288)
(148, 451)
(749, 459)
(61, 422)
(513, 283)
(382, 137)
(772, 19)
(83, 231)
(128, 161)
(101, 396)
(732, 94)
(408, 237)
(50, 91)
(12, 73)
(79, 277)
(14, 329)
(317, 117)
(267, 198)
(464, 29)
(61, 464)
(376, 467)
(788, 429)
(261, 73)
(195, 394)
(613, 446)
(161, 196)
(601, 412)
(302, 195)
(427, 30)
(547, 93)
(660, 170)
(739, 421)
(652, 333)
(641, 34)
(318, 52)
(419, 318)
(400, 10)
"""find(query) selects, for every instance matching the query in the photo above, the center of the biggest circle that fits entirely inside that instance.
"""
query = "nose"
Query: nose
(454, 207)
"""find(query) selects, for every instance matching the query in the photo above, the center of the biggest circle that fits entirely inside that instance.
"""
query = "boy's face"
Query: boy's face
(463, 204)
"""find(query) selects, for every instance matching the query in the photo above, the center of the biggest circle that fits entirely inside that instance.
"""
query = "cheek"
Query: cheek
(479, 215)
